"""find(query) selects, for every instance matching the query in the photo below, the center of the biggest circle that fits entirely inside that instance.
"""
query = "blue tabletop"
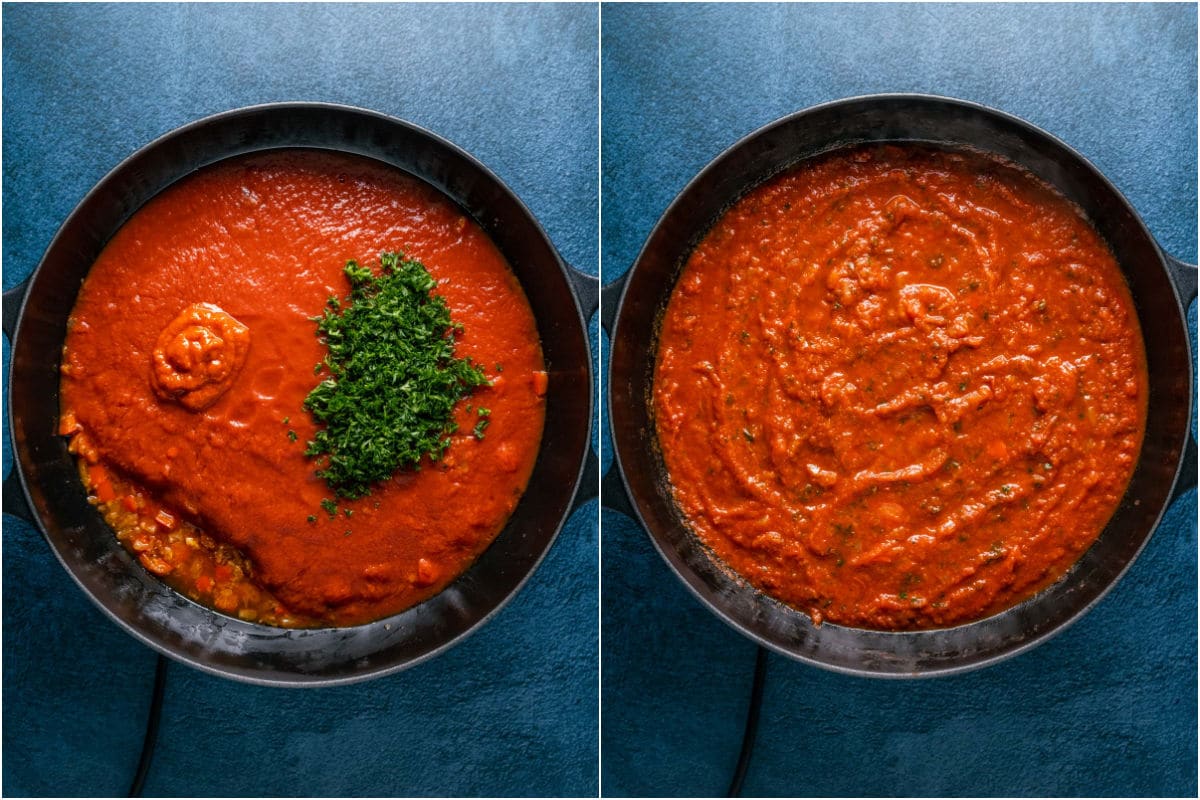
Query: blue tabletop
(513, 709)
(1106, 708)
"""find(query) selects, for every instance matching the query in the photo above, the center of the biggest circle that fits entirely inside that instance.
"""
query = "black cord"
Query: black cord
(152, 720)
(751, 731)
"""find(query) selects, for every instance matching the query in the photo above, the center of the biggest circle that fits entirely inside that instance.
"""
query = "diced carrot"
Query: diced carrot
(142, 542)
(129, 502)
(165, 518)
(155, 565)
(67, 424)
(997, 449)
(540, 381)
(223, 572)
(101, 483)
(204, 583)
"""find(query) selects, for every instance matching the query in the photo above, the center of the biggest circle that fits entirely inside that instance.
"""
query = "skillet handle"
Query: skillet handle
(13, 499)
(613, 494)
(13, 299)
(1186, 480)
(610, 298)
(1183, 275)
(587, 291)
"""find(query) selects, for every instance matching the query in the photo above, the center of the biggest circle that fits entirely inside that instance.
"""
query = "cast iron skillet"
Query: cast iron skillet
(1161, 288)
(50, 492)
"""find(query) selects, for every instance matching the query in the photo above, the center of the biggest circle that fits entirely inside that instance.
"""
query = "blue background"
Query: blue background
(513, 710)
(1106, 708)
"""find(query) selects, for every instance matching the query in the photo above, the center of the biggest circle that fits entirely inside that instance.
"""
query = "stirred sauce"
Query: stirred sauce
(899, 387)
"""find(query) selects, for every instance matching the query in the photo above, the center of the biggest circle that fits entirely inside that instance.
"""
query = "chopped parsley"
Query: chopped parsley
(393, 379)
(481, 426)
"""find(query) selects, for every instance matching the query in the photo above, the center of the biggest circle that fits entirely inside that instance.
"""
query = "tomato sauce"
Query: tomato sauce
(191, 349)
(899, 387)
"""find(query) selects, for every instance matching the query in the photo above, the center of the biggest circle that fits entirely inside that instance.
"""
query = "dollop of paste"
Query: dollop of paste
(198, 356)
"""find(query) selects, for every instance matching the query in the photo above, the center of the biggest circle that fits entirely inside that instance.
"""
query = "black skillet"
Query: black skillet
(45, 489)
(1161, 286)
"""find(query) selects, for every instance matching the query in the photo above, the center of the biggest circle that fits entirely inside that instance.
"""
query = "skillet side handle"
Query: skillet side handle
(610, 298)
(1187, 470)
(613, 494)
(13, 499)
(587, 291)
(13, 299)
(1183, 275)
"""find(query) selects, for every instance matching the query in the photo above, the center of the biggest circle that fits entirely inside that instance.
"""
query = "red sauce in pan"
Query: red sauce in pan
(191, 349)
(900, 388)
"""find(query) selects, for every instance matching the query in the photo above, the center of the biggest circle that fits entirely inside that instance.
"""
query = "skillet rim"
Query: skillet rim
(571, 493)
(683, 571)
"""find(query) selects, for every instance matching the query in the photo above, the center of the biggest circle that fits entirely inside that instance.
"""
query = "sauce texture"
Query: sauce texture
(191, 349)
(899, 387)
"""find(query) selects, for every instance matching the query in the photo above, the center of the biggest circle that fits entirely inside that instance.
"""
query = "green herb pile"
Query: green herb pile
(393, 378)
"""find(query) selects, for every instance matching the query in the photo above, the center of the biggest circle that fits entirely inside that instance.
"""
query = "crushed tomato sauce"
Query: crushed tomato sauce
(899, 387)
(190, 352)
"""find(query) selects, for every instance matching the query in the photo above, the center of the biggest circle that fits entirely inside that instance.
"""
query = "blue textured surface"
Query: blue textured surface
(513, 710)
(1106, 708)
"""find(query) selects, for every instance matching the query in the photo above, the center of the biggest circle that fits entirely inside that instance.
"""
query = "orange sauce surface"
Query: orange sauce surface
(191, 349)
(900, 388)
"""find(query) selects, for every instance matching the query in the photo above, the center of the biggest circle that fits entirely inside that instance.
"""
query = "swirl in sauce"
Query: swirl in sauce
(198, 356)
